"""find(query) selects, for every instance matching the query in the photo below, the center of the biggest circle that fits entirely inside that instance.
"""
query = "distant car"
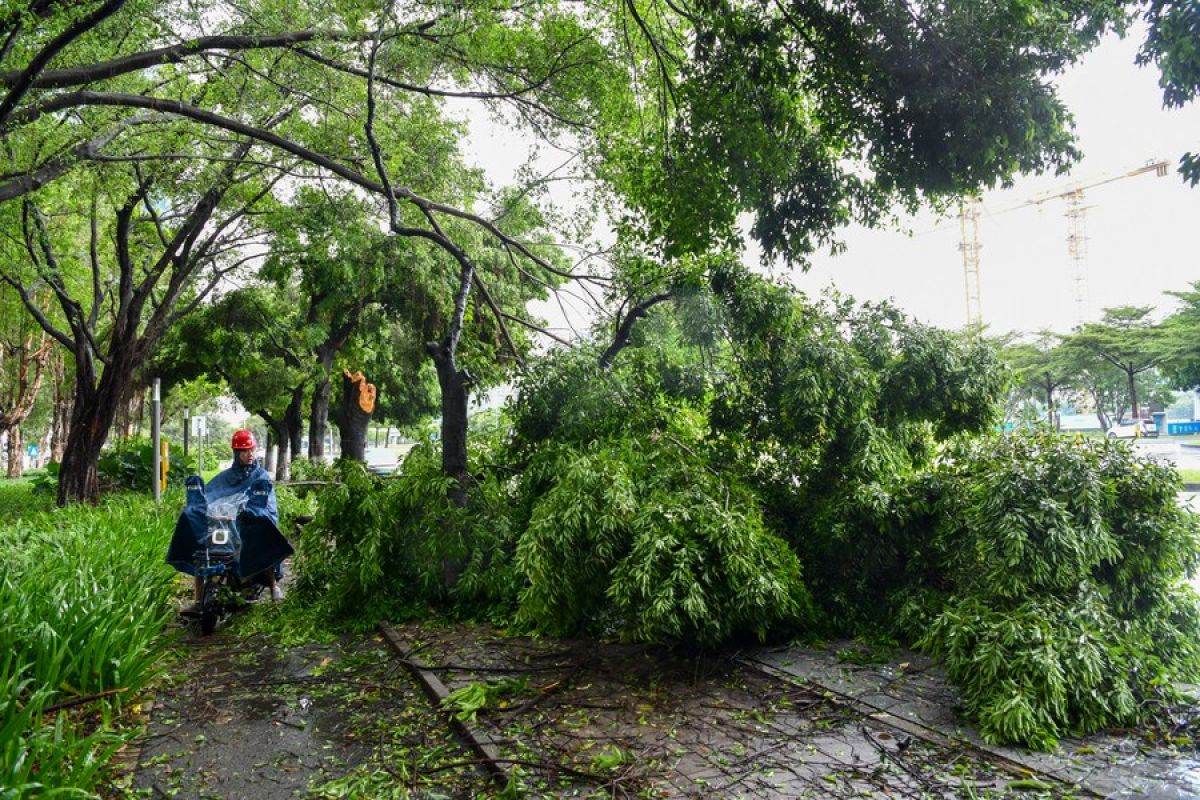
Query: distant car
(381, 460)
(1133, 429)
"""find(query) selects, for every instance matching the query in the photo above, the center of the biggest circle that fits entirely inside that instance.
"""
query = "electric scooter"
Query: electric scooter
(228, 543)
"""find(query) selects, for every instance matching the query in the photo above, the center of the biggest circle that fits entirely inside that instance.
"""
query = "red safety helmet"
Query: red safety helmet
(243, 440)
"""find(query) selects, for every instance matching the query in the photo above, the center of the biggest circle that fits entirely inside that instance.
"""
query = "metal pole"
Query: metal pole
(187, 429)
(156, 468)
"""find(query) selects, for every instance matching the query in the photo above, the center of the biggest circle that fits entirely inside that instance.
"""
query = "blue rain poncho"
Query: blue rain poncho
(235, 513)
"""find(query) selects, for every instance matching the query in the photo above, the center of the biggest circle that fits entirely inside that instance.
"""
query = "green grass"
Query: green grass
(1188, 475)
(83, 597)
(17, 499)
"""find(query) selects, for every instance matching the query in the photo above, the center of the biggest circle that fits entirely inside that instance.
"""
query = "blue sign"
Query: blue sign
(1181, 428)
(32, 451)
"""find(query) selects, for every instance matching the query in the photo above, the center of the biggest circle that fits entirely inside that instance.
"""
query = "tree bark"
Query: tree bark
(353, 415)
(1100, 415)
(293, 421)
(78, 479)
(1055, 420)
(282, 458)
(269, 451)
(60, 425)
(1133, 400)
(455, 385)
(318, 418)
(277, 445)
(339, 333)
(92, 417)
(625, 328)
(16, 460)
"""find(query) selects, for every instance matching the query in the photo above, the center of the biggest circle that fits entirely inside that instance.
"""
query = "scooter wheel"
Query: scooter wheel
(208, 609)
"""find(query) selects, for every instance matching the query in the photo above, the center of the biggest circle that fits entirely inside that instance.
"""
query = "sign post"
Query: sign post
(155, 435)
(199, 429)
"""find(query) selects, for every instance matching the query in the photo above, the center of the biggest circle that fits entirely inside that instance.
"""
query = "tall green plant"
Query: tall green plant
(828, 410)
(83, 596)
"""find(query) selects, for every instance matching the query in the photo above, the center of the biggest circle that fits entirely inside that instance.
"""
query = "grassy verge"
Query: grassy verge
(83, 597)
(1188, 475)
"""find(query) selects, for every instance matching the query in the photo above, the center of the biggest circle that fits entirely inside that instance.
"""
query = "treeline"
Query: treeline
(1116, 367)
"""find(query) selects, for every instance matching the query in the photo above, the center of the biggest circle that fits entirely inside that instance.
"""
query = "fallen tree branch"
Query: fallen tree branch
(78, 701)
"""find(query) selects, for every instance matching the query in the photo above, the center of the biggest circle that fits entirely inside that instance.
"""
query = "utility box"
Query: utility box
(1160, 422)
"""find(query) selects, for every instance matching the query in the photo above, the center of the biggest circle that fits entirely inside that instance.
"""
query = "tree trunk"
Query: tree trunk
(318, 420)
(60, 424)
(455, 385)
(277, 446)
(353, 415)
(282, 458)
(138, 411)
(1133, 403)
(293, 420)
(78, 481)
(1100, 415)
(318, 417)
(269, 450)
(16, 459)
(25, 384)
(95, 409)
(129, 413)
(1055, 421)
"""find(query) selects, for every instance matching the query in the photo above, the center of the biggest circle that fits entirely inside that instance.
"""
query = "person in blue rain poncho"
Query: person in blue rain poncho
(263, 547)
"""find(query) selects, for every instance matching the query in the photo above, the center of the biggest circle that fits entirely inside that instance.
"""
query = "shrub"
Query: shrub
(642, 538)
(1067, 560)
(388, 547)
(302, 469)
(128, 465)
(676, 496)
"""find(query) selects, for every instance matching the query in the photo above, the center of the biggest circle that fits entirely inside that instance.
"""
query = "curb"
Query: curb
(477, 739)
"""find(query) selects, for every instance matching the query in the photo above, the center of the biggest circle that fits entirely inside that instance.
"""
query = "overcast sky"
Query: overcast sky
(1141, 231)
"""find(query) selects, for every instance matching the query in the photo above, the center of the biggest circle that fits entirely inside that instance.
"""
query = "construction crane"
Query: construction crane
(968, 223)
(968, 218)
(1077, 224)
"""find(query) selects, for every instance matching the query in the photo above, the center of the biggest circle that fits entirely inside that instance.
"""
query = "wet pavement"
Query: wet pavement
(588, 719)
(618, 720)
(1181, 454)
(245, 720)
(912, 692)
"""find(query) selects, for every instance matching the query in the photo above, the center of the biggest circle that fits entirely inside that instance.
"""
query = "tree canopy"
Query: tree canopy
(679, 117)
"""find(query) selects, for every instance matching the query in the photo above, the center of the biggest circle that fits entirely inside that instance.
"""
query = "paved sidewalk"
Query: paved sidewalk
(910, 691)
(587, 719)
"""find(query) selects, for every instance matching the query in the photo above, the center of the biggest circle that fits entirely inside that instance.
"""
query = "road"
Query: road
(1169, 450)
